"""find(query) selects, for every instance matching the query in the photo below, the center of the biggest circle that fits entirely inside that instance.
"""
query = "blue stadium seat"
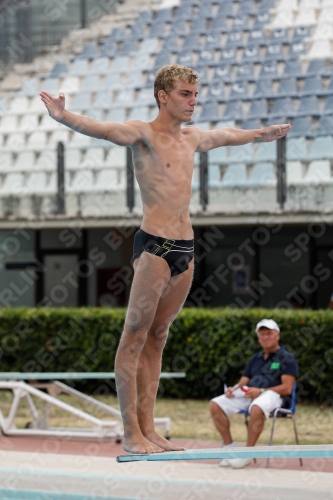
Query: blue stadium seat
(266, 5)
(91, 83)
(206, 58)
(261, 20)
(79, 67)
(29, 87)
(149, 46)
(100, 66)
(164, 15)
(312, 86)
(233, 111)
(184, 12)
(251, 54)
(263, 89)
(178, 27)
(162, 59)
(328, 108)
(120, 64)
(218, 156)
(322, 149)
(296, 149)
(281, 107)
(296, 50)
(258, 109)
(242, 153)
(158, 29)
(256, 37)
(234, 40)
(316, 67)
(145, 16)
(222, 73)
(50, 85)
(268, 70)
(202, 73)
(274, 52)
(59, 70)
(109, 49)
(117, 35)
(219, 24)
(329, 89)
(263, 174)
(89, 51)
(239, 91)
(145, 98)
(199, 25)
(129, 47)
(252, 124)
(247, 7)
(228, 57)
(133, 80)
(213, 41)
(287, 88)
(226, 10)
(308, 106)
(81, 101)
(138, 30)
(302, 127)
(245, 72)
(186, 59)
(209, 112)
(116, 115)
(325, 126)
(215, 92)
(139, 113)
(300, 33)
(240, 22)
(103, 100)
(235, 176)
(292, 69)
(113, 82)
(96, 114)
(170, 45)
(205, 11)
(279, 36)
(191, 43)
(266, 152)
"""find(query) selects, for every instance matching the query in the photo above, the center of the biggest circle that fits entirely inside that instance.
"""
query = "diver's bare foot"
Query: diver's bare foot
(141, 445)
(160, 441)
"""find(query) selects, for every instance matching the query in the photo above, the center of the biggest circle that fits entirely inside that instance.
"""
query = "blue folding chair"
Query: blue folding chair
(280, 413)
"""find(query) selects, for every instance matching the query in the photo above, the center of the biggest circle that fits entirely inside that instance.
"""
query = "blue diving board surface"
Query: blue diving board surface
(72, 375)
(305, 451)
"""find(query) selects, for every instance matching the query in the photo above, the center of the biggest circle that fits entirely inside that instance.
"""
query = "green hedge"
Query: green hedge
(212, 346)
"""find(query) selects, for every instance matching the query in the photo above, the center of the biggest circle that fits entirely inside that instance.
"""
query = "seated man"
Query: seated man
(269, 375)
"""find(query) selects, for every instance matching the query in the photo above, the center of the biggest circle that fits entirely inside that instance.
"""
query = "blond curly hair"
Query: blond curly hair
(167, 76)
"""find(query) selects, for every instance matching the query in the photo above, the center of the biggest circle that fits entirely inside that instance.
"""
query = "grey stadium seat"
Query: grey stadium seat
(129, 47)
(6, 161)
(239, 91)
(91, 83)
(301, 127)
(178, 28)
(308, 106)
(235, 176)
(316, 67)
(296, 50)
(25, 161)
(125, 99)
(215, 92)
(263, 89)
(206, 58)
(251, 54)
(242, 153)
(30, 87)
(116, 115)
(158, 29)
(218, 156)
(205, 11)
(199, 25)
(186, 59)
(245, 72)
(145, 98)
(240, 22)
(328, 108)
(213, 41)
(59, 70)
(258, 109)
(109, 49)
(312, 86)
(261, 20)
(268, 70)
(228, 57)
(266, 5)
(219, 24)
(266, 152)
(100, 66)
(281, 107)
(251, 124)
(184, 12)
(233, 111)
(274, 52)
(247, 7)
(256, 37)
(171, 45)
(322, 149)
(81, 101)
(222, 73)
(280, 36)
(191, 42)
(89, 51)
(226, 10)
(292, 69)
(234, 40)
(287, 88)
(297, 149)
(164, 15)
(209, 112)
(103, 100)
(113, 82)
(325, 126)
(262, 174)
(300, 33)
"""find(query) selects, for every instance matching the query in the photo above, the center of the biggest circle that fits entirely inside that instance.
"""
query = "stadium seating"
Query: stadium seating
(260, 62)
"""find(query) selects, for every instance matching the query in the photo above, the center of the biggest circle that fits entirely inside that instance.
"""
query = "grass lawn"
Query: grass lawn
(191, 419)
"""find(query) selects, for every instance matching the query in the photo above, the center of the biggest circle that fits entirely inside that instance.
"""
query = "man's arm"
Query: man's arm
(284, 389)
(123, 134)
(236, 137)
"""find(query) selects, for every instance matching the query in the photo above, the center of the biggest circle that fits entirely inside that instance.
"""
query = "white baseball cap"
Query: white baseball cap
(267, 323)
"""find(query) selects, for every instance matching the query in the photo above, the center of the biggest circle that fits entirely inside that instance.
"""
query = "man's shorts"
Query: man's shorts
(267, 401)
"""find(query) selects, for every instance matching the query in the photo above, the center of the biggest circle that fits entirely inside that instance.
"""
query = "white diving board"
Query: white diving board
(293, 451)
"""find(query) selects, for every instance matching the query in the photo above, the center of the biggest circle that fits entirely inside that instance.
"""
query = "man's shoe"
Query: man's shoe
(239, 463)
(224, 463)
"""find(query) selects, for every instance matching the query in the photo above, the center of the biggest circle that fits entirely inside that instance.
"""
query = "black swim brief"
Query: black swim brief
(177, 253)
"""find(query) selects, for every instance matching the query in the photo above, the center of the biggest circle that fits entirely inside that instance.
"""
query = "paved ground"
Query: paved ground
(89, 469)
